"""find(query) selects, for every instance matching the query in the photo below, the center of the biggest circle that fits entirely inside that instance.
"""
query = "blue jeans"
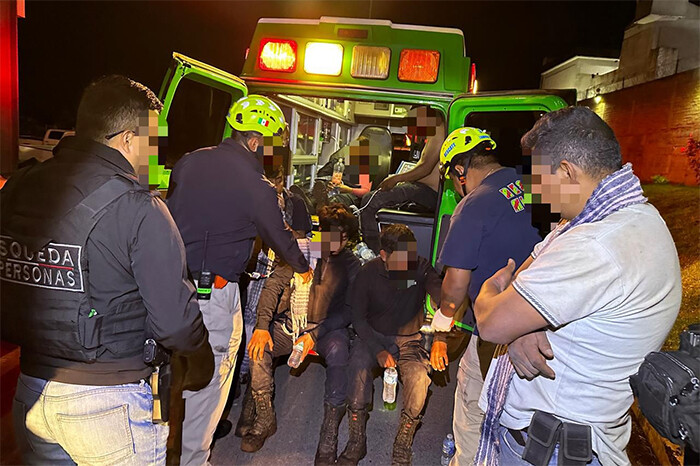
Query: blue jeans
(511, 451)
(60, 423)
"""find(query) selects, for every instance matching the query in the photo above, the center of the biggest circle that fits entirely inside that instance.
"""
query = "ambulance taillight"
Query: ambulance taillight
(419, 66)
(370, 62)
(278, 55)
(323, 58)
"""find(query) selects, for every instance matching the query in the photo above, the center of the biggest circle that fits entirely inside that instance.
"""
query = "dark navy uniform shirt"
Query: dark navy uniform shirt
(222, 190)
(489, 226)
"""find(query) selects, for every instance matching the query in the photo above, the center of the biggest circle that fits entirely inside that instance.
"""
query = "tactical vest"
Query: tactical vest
(46, 305)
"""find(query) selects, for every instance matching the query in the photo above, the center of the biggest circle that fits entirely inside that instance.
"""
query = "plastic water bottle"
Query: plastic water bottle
(295, 358)
(338, 170)
(364, 253)
(391, 377)
(448, 450)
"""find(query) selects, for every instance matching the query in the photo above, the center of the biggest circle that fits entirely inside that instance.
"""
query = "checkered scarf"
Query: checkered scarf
(617, 191)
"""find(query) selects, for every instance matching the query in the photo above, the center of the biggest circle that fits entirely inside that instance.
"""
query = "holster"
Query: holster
(542, 436)
(161, 380)
(546, 431)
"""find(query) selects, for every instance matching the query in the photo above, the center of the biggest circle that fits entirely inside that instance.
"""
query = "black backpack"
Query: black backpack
(667, 387)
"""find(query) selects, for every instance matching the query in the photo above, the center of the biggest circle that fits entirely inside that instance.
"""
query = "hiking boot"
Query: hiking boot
(328, 441)
(403, 451)
(356, 449)
(247, 418)
(265, 423)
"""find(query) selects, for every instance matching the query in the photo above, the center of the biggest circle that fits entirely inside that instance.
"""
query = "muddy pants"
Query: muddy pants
(333, 347)
(413, 365)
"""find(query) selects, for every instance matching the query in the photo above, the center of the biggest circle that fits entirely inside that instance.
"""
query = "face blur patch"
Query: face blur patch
(404, 258)
(420, 123)
(549, 185)
(332, 241)
(147, 142)
(364, 160)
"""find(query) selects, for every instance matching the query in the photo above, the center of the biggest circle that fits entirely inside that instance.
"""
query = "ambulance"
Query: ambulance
(338, 78)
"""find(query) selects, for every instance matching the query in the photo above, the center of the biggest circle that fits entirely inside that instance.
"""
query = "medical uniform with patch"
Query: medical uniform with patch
(489, 226)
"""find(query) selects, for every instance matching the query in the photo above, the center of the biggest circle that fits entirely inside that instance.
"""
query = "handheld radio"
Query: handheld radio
(206, 278)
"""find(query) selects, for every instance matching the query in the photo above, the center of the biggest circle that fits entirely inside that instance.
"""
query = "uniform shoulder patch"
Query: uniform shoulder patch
(518, 204)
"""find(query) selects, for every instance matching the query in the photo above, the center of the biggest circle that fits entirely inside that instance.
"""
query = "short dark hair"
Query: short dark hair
(579, 135)
(337, 215)
(112, 104)
(393, 235)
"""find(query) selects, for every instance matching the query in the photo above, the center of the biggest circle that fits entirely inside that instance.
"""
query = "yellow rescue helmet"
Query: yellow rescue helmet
(463, 141)
(257, 113)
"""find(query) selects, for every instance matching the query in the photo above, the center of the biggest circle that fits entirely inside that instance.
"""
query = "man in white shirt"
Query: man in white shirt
(598, 294)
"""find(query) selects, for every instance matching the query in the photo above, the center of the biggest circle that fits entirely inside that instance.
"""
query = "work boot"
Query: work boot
(247, 418)
(356, 449)
(328, 441)
(403, 443)
(265, 422)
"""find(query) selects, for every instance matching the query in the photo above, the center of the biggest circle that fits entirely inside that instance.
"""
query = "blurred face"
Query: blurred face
(402, 259)
(554, 186)
(333, 241)
(138, 144)
(422, 123)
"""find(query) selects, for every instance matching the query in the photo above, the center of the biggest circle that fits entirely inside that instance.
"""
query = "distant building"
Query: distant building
(663, 40)
(651, 95)
(577, 73)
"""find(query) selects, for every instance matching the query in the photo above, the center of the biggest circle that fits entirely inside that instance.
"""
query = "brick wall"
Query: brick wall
(653, 121)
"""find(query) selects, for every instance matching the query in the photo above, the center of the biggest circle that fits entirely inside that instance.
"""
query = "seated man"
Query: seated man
(419, 185)
(360, 164)
(597, 295)
(387, 313)
(327, 332)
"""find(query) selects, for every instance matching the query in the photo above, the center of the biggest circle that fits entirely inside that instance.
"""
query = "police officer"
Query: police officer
(92, 265)
(221, 200)
(489, 226)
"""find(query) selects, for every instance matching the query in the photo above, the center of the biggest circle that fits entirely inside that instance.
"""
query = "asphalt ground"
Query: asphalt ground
(299, 407)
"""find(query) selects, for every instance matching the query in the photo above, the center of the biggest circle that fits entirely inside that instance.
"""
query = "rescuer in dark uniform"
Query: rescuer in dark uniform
(92, 265)
(326, 331)
(221, 200)
(387, 314)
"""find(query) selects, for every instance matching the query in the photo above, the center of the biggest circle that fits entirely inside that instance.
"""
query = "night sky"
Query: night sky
(65, 45)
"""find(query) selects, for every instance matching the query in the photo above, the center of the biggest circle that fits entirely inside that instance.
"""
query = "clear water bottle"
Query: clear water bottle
(295, 358)
(338, 170)
(448, 450)
(391, 378)
(364, 253)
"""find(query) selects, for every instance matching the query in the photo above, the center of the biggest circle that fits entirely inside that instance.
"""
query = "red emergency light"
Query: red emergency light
(278, 55)
(472, 77)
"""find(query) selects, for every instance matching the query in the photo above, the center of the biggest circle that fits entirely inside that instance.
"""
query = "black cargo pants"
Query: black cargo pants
(413, 365)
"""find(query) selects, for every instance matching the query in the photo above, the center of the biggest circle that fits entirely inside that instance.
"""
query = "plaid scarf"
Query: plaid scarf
(617, 191)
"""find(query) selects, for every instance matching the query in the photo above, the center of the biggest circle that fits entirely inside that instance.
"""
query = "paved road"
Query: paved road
(299, 400)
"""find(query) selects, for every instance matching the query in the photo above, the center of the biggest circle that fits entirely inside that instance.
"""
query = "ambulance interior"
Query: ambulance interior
(322, 129)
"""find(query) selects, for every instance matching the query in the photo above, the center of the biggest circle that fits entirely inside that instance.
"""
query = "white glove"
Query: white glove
(441, 323)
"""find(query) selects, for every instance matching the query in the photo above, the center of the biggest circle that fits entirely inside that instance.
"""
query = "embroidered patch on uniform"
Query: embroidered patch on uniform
(56, 266)
(518, 204)
(515, 189)
(506, 193)
(519, 184)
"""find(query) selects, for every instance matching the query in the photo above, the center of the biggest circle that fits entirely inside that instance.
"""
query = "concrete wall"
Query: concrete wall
(653, 121)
